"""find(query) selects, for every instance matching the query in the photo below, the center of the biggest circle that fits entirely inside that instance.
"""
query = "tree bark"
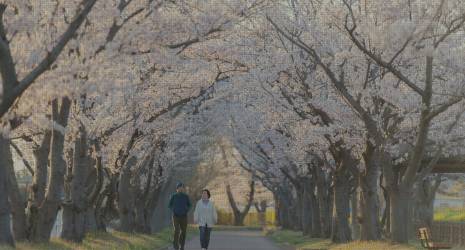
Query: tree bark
(261, 210)
(148, 198)
(324, 200)
(386, 219)
(306, 207)
(239, 215)
(286, 212)
(425, 193)
(316, 217)
(400, 218)
(355, 225)
(17, 201)
(370, 226)
(341, 231)
(6, 237)
(126, 198)
(76, 207)
(401, 191)
(48, 210)
(39, 182)
(369, 205)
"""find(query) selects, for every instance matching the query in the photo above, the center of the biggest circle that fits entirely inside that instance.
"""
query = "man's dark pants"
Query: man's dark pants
(180, 227)
(205, 236)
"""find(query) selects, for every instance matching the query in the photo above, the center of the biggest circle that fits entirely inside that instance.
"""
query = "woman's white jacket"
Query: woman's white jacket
(205, 214)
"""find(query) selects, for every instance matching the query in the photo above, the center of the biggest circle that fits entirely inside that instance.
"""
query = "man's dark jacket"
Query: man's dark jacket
(179, 204)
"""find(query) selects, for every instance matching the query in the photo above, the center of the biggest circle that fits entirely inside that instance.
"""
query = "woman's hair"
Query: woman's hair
(208, 192)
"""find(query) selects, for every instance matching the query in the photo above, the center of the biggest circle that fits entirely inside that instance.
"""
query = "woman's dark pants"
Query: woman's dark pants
(205, 236)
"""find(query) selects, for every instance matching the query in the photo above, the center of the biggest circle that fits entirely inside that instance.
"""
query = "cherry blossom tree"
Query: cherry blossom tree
(358, 28)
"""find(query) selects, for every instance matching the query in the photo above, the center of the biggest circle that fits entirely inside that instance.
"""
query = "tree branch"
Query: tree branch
(51, 57)
(443, 107)
(378, 59)
(20, 153)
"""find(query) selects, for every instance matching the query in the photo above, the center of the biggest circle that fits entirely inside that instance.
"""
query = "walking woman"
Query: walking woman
(205, 216)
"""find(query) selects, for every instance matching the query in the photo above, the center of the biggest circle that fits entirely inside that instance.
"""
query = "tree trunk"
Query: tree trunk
(39, 182)
(149, 200)
(277, 210)
(6, 238)
(400, 218)
(17, 201)
(239, 215)
(126, 198)
(341, 231)
(306, 211)
(261, 210)
(401, 192)
(370, 226)
(369, 205)
(323, 198)
(386, 219)
(100, 207)
(424, 212)
(239, 219)
(354, 216)
(316, 218)
(75, 207)
(142, 219)
(286, 210)
(48, 210)
(283, 212)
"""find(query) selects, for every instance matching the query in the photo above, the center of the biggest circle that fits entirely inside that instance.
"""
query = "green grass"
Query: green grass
(450, 214)
(107, 241)
(236, 228)
(295, 239)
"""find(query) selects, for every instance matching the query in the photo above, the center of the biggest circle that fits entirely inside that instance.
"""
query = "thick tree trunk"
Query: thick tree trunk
(341, 231)
(261, 210)
(75, 207)
(239, 215)
(17, 201)
(39, 182)
(370, 225)
(400, 193)
(6, 237)
(355, 225)
(306, 208)
(294, 217)
(149, 199)
(282, 211)
(400, 218)
(126, 198)
(316, 218)
(369, 204)
(48, 210)
(285, 221)
(425, 193)
(287, 209)
(74, 223)
(239, 219)
(386, 219)
(324, 201)
(277, 210)
(143, 217)
(104, 200)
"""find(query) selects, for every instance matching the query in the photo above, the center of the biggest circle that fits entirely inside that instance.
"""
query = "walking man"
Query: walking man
(179, 205)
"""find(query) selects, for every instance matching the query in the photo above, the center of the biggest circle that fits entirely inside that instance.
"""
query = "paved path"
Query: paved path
(235, 240)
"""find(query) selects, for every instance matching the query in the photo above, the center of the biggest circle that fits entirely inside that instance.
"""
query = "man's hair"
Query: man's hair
(208, 192)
